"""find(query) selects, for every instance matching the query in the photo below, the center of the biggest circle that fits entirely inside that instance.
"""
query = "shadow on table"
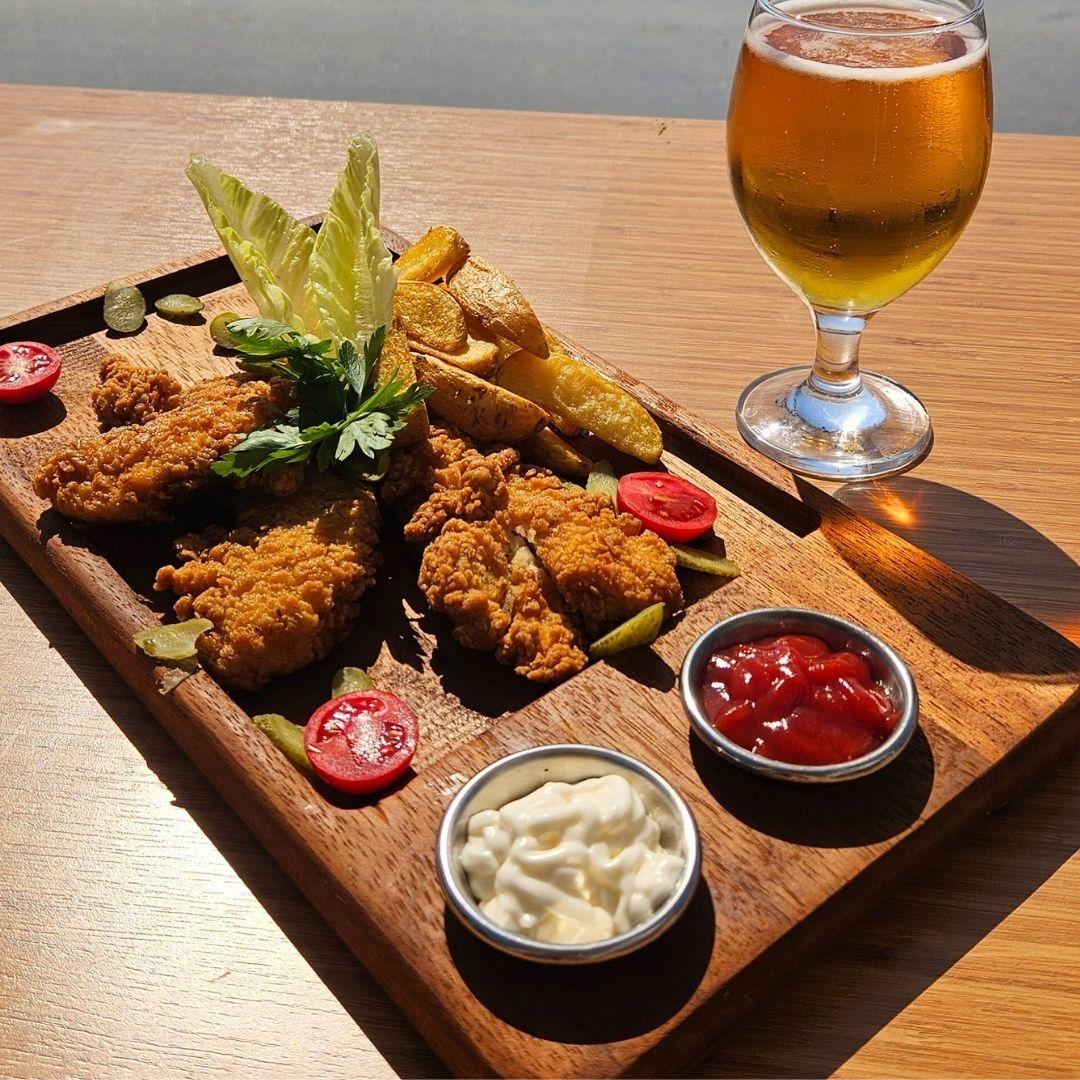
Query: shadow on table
(829, 1008)
(340, 971)
(982, 542)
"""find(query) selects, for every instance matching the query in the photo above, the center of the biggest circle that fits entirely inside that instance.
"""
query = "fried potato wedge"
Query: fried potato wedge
(437, 254)
(478, 357)
(397, 358)
(547, 448)
(570, 388)
(491, 298)
(479, 408)
(430, 316)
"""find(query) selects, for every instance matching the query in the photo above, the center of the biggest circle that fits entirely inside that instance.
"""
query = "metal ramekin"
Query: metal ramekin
(519, 774)
(885, 665)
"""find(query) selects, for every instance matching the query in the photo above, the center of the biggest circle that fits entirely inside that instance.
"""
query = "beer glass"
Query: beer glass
(858, 141)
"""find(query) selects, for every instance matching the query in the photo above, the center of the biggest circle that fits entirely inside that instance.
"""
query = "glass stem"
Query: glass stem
(836, 364)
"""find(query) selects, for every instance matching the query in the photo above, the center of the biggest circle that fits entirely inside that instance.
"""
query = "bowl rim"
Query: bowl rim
(466, 908)
(720, 744)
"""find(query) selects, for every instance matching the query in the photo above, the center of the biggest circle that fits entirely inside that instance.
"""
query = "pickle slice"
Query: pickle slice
(349, 680)
(125, 308)
(602, 481)
(178, 306)
(219, 329)
(705, 561)
(641, 629)
(287, 737)
(176, 641)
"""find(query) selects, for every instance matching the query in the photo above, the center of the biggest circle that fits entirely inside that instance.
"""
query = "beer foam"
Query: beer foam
(825, 47)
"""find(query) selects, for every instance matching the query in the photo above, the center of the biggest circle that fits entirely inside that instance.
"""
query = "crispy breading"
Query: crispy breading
(465, 573)
(542, 641)
(500, 604)
(135, 473)
(446, 477)
(284, 586)
(605, 565)
(130, 394)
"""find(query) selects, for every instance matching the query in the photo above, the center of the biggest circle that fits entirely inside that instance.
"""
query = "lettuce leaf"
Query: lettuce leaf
(351, 270)
(270, 249)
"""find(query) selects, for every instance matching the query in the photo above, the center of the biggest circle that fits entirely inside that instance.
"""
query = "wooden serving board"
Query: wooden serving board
(784, 868)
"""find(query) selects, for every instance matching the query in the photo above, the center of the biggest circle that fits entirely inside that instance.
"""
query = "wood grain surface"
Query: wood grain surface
(140, 919)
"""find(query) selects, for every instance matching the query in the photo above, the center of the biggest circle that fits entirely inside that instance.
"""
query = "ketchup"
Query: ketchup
(794, 699)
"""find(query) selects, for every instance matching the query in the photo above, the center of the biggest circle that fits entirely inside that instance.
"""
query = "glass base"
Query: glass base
(878, 430)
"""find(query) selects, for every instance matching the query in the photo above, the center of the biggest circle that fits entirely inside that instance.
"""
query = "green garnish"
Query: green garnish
(350, 680)
(219, 329)
(705, 561)
(342, 419)
(641, 629)
(602, 481)
(178, 306)
(176, 641)
(287, 737)
(125, 308)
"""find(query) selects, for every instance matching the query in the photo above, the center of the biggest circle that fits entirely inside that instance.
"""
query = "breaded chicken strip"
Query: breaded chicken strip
(130, 394)
(135, 473)
(498, 603)
(284, 586)
(465, 573)
(445, 477)
(542, 643)
(605, 565)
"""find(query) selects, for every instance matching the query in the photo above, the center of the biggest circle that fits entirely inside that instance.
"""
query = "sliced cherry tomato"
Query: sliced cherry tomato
(361, 742)
(672, 507)
(28, 371)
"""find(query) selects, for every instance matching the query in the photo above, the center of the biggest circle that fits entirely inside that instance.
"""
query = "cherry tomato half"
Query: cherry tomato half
(361, 742)
(673, 508)
(28, 371)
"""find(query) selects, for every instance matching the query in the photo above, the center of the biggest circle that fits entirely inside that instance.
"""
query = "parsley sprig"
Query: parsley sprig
(341, 419)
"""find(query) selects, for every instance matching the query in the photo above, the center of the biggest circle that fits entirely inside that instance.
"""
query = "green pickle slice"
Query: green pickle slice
(351, 680)
(125, 308)
(705, 561)
(176, 641)
(219, 329)
(178, 306)
(602, 481)
(287, 737)
(641, 629)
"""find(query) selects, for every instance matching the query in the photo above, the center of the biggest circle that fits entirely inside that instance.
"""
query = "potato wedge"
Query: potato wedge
(491, 298)
(481, 409)
(478, 357)
(547, 448)
(430, 315)
(396, 357)
(572, 389)
(437, 254)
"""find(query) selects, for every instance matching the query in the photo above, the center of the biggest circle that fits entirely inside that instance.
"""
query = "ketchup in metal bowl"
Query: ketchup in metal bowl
(794, 699)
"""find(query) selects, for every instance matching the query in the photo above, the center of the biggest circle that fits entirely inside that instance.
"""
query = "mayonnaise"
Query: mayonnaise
(570, 863)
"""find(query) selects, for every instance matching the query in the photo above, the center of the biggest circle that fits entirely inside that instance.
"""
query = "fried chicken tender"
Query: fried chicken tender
(606, 566)
(284, 586)
(134, 473)
(500, 603)
(465, 573)
(542, 642)
(129, 394)
(445, 477)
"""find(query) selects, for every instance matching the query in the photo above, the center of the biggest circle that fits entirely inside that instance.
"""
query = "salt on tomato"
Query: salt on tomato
(28, 371)
(361, 742)
(668, 505)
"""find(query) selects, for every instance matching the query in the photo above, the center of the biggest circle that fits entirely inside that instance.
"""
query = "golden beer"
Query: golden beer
(857, 160)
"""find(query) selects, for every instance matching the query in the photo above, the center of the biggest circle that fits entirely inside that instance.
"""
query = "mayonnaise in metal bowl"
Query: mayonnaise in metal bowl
(568, 854)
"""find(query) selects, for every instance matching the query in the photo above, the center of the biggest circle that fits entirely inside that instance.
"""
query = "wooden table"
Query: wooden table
(142, 929)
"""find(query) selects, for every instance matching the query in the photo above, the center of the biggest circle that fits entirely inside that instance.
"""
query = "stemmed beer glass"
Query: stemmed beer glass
(858, 141)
